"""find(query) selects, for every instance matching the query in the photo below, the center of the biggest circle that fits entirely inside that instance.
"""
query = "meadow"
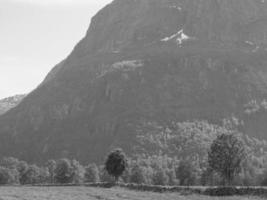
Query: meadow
(90, 193)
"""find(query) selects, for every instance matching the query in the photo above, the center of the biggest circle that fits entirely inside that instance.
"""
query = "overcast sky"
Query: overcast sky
(37, 34)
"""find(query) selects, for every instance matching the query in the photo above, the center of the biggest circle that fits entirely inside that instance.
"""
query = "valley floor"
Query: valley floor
(87, 193)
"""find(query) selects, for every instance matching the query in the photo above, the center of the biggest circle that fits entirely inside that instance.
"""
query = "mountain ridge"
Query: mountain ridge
(140, 62)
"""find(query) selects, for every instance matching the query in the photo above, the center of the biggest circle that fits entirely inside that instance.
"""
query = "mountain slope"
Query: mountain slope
(10, 102)
(145, 61)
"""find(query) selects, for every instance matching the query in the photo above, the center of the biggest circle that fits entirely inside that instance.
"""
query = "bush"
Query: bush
(78, 172)
(186, 173)
(138, 175)
(160, 177)
(64, 171)
(44, 175)
(172, 177)
(7, 176)
(92, 174)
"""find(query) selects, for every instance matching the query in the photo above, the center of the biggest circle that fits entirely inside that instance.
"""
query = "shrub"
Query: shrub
(22, 167)
(6, 176)
(138, 175)
(186, 173)
(160, 177)
(78, 172)
(44, 175)
(64, 171)
(172, 177)
(92, 174)
(126, 176)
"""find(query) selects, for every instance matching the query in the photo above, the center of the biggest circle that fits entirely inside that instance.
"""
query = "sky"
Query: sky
(35, 35)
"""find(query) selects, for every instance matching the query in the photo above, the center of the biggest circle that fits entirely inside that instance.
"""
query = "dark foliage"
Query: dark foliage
(226, 156)
(63, 171)
(116, 163)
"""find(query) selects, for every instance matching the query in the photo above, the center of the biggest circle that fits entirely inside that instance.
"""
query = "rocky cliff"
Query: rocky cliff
(145, 61)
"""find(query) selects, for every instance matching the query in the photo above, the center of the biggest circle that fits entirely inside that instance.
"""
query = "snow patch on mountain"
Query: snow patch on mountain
(180, 37)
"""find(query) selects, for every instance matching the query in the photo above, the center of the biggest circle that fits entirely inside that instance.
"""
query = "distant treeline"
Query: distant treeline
(226, 164)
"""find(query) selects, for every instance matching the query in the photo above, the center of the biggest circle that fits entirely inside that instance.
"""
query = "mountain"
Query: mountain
(10, 102)
(143, 62)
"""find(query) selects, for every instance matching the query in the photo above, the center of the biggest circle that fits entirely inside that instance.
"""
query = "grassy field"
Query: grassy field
(87, 193)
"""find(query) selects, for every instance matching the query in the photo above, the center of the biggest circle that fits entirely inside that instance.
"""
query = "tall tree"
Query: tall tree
(51, 165)
(226, 155)
(116, 163)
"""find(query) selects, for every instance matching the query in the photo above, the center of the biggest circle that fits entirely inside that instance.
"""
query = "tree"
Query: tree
(92, 174)
(5, 176)
(226, 156)
(172, 176)
(186, 173)
(64, 171)
(31, 176)
(209, 177)
(44, 175)
(51, 165)
(104, 175)
(78, 172)
(22, 168)
(116, 163)
(9, 162)
(160, 177)
(138, 175)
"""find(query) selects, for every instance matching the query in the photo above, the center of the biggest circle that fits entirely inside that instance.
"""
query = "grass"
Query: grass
(88, 193)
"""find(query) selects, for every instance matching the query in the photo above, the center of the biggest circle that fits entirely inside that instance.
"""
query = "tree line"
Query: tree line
(224, 166)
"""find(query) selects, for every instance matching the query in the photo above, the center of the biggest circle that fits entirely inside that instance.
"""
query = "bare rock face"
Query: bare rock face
(145, 61)
(129, 23)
